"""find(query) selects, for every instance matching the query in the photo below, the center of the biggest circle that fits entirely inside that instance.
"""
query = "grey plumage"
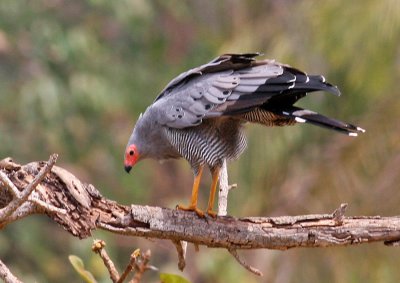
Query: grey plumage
(200, 114)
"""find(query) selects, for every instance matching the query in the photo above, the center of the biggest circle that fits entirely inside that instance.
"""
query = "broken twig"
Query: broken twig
(181, 247)
(250, 268)
(21, 197)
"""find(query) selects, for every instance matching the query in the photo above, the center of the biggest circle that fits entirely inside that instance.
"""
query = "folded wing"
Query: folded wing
(238, 86)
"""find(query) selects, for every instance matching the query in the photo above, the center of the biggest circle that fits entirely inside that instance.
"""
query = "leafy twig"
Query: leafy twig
(138, 263)
(141, 267)
(130, 266)
(98, 247)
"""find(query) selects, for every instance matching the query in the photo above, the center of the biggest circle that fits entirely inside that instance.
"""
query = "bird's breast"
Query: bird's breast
(210, 143)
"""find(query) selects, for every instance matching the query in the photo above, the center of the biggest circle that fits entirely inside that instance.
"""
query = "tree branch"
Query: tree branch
(6, 275)
(79, 208)
(20, 197)
(223, 190)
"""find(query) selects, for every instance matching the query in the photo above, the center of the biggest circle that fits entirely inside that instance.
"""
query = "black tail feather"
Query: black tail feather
(306, 116)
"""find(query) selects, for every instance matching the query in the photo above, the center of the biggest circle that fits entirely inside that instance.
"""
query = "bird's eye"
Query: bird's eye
(131, 152)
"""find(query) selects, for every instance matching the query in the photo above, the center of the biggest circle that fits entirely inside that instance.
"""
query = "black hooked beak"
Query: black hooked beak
(128, 168)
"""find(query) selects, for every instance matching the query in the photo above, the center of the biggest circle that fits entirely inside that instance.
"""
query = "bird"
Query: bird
(201, 114)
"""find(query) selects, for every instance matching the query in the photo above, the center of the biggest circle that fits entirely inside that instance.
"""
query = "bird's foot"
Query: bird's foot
(212, 213)
(194, 208)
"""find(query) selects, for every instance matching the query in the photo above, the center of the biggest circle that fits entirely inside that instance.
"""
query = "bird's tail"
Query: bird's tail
(306, 116)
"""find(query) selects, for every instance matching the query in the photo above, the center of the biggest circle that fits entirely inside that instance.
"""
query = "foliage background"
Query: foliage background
(74, 75)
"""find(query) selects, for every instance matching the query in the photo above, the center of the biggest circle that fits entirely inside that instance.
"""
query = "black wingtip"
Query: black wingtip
(239, 57)
(246, 55)
(334, 90)
(318, 82)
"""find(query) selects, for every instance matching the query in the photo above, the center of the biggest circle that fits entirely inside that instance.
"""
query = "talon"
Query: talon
(199, 212)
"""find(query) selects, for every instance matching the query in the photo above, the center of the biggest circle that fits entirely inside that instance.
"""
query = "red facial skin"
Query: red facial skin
(131, 157)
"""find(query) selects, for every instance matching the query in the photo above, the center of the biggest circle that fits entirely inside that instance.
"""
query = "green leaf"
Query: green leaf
(172, 278)
(78, 265)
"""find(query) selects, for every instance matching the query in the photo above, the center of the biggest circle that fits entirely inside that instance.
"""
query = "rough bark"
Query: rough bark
(6, 275)
(80, 208)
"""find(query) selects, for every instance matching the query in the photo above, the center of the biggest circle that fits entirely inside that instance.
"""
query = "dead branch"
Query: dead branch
(244, 264)
(80, 208)
(18, 198)
(181, 247)
(6, 275)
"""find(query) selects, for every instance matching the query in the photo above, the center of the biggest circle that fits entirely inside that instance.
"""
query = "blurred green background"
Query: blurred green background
(74, 76)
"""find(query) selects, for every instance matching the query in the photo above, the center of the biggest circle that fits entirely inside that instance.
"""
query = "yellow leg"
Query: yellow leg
(195, 192)
(214, 184)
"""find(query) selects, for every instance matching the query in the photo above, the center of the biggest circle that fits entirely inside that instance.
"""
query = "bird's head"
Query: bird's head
(134, 146)
(143, 142)
(131, 157)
